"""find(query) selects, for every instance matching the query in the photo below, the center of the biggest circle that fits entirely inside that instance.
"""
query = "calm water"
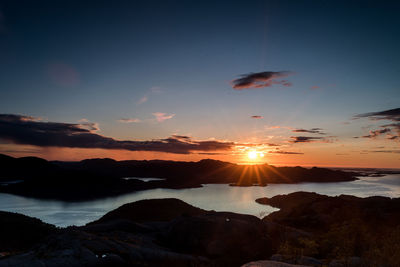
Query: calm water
(209, 197)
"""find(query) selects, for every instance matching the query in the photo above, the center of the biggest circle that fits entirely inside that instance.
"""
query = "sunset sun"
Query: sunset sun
(252, 155)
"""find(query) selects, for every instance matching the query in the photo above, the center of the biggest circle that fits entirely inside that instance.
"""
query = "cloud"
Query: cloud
(211, 153)
(160, 117)
(391, 115)
(63, 74)
(155, 89)
(86, 124)
(386, 151)
(312, 130)
(142, 100)
(257, 117)
(271, 144)
(266, 127)
(150, 91)
(184, 137)
(286, 152)
(305, 139)
(315, 87)
(25, 130)
(376, 133)
(129, 120)
(261, 79)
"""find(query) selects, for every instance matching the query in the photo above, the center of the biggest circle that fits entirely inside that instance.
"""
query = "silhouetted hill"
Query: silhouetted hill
(340, 227)
(151, 210)
(19, 232)
(95, 178)
(170, 232)
(25, 168)
(314, 212)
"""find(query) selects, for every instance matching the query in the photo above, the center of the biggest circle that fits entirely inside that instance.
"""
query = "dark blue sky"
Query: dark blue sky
(169, 65)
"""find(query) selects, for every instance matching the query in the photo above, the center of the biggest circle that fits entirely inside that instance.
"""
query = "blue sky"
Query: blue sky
(65, 61)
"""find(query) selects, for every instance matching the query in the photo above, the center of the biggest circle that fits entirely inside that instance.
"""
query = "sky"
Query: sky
(310, 83)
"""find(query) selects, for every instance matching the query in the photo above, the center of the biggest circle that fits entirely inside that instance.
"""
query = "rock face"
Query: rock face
(165, 232)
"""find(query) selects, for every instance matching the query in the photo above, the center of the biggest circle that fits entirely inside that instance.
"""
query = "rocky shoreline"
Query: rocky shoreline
(309, 229)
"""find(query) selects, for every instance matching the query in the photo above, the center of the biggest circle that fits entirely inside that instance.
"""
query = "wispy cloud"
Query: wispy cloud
(391, 114)
(305, 139)
(129, 120)
(143, 100)
(24, 130)
(312, 130)
(160, 117)
(270, 127)
(392, 130)
(86, 124)
(376, 133)
(397, 151)
(261, 79)
(285, 152)
(151, 91)
(272, 144)
(257, 117)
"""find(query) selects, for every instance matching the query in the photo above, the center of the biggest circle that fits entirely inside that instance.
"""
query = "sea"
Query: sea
(218, 197)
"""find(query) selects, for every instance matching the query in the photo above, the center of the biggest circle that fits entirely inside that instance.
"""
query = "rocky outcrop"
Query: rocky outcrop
(169, 232)
(151, 210)
(152, 233)
(313, 212)
(19, 232)
(271, 264)
(343, 230)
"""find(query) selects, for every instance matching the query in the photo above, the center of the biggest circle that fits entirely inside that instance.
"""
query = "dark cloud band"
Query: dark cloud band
(391, 114)
(27, 130)
(305, 139)
(391, 130)
(312, 130)
(261, 79)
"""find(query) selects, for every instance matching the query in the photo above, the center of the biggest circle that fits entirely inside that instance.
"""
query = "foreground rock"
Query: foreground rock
(271, 264)
(343, 230)
(164, 232)
(313, 212)
(309, 230)
(19, 232)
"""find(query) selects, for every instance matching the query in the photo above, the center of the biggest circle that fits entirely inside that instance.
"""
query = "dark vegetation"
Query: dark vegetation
(96, 178)
(309, 229)
(343, 227)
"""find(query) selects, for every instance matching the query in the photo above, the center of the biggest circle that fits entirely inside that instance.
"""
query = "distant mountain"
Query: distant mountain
(96, 178)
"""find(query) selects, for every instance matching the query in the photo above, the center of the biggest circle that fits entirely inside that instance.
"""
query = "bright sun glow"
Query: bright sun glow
(252, 155)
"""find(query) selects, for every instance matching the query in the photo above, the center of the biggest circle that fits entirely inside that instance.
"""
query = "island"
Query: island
(98, 178)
